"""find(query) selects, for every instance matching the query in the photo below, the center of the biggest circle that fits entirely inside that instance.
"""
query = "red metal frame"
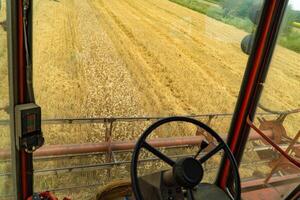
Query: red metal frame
(22, 98)
(251, 85)
(282, 152)
(257, 189)
(109, 146)
(292, 147)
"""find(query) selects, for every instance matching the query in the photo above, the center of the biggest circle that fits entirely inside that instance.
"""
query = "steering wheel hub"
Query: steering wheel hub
(188, 172)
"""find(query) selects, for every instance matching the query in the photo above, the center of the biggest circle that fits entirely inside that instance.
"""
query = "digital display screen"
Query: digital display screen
(30, 122)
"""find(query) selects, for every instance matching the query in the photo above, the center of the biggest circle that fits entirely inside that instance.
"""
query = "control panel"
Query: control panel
(29, 134)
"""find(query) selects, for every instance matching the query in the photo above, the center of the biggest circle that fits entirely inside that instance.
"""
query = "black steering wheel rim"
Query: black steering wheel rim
(142, 141)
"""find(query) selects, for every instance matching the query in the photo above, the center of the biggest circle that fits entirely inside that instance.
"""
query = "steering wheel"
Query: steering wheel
(187, 172)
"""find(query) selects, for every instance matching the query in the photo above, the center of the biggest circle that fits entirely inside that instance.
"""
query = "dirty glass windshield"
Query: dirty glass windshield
(6, 176)
(106, 69)
(278, 115)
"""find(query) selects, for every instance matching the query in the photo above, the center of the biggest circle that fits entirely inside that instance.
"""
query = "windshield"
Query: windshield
(278, 115)
(106, 69)
(128, 60)
(6, 179)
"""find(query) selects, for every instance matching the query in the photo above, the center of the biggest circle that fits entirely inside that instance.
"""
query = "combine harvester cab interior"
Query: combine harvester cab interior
(149, 99)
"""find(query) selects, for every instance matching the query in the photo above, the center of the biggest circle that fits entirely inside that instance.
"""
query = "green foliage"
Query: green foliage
(239, 8)
(291, 41)
(296, 24)
(215, 1)
(236, 13)
(290, 37)
(297, 15)
(194, 5)
(217, 13)
(288, 20)
(244, 24)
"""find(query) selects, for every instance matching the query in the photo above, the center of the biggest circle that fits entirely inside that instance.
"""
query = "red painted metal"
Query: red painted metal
(115, 146)
(249, 88)
(275, 125)
(21, 96)
(59, 150)
(262, 194)
(261, 182)
(281, 162)
(282, 152)
(275, 190)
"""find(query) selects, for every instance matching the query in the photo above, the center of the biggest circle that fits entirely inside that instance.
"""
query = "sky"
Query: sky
(295, 4)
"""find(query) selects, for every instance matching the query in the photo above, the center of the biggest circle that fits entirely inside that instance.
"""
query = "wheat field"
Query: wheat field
(112, 58)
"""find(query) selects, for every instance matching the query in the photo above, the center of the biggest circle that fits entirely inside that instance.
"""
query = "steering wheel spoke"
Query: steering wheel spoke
(211, 153)
(159, 154)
